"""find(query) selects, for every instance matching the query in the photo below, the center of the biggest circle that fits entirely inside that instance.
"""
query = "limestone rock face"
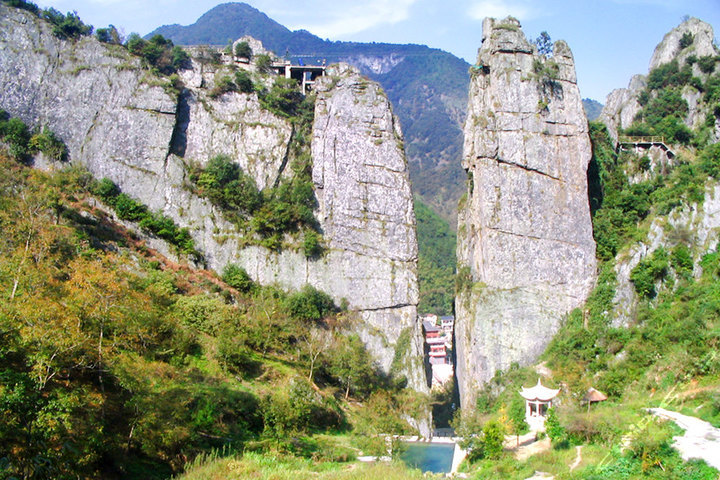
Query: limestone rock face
(525, 248)
(366, 208)
(669, 48)
(123, 123)
(622, 105)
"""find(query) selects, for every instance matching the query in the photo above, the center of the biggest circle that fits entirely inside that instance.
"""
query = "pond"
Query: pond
(429, 457)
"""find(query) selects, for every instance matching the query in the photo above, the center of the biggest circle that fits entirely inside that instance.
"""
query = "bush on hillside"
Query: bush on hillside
(237, 278)
(243, 50)
(310, 304)
(159, 53)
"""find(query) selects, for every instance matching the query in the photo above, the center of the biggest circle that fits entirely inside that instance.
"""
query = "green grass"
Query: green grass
(281, 467)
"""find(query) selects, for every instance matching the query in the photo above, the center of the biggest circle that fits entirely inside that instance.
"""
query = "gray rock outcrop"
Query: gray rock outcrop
(621, 105)
(123, 123)
(670, 49)
(526, 254)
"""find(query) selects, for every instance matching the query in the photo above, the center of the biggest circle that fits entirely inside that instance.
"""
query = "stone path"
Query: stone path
(701, 440)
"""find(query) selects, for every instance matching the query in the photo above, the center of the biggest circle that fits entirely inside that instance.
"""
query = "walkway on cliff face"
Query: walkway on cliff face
(701, 440)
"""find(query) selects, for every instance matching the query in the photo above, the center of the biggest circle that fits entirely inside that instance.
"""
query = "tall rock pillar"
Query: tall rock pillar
(526, 254)
(367, 217)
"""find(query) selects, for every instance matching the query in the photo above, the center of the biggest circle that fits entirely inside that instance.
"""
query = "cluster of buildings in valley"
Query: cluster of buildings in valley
(438, 332)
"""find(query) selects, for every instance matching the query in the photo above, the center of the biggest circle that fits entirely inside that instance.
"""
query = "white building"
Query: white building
(538, 400)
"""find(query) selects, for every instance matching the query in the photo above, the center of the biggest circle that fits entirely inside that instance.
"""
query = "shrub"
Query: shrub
(225, 184)
(243, 50)
(66, 26)
(243, 82)
(492, 441)
(288, 411)
(49, 144)
(554, 430)
(108, 35)
(682, 261)
(686, 40)
(646, 273)
(312, 247)
(159, 53)
(222, 86)
(128, 208)
(202, 312)
(237, 278)
(263, 62)
(25, 5)
(669, 75)
(16, 134)
(310, 304)
(707, 63)
(105, 189)
(284, 98)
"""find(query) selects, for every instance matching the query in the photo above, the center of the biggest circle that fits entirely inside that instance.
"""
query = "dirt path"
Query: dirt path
(701, 440)
(578, 458)
(526, 451)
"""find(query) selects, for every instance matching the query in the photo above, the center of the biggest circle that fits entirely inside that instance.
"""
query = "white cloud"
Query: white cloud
(336, 18)
(501, 9)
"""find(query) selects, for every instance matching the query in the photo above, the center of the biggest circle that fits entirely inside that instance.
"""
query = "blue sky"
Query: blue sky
(611, 39)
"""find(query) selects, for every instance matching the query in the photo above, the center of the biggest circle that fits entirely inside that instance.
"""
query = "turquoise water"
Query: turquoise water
(429, 457)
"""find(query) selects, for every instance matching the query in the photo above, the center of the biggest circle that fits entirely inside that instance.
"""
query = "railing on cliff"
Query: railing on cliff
(644, 142)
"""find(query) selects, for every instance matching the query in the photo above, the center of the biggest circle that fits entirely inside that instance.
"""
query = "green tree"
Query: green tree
(544, 44)
(468, 425)
(243, 82)
(243, 50)
(109, 35)
(516, 414)
(493, 436)
(351, 364)
(686, 40)
(553, 428)
(263, 63)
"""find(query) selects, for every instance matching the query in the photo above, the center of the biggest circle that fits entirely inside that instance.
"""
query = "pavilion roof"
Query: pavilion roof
(593, 395)
(539, 392)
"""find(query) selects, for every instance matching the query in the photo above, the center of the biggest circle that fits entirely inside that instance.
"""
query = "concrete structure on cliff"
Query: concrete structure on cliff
(526, 253)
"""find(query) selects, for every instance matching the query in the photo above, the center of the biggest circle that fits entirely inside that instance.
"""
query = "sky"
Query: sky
(610, 39)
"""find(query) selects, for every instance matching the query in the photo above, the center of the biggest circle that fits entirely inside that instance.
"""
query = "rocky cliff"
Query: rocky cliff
(526, 255)
(622, 105)
(124, 123)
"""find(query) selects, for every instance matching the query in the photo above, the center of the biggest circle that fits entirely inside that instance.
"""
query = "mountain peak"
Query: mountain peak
(691, 37)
